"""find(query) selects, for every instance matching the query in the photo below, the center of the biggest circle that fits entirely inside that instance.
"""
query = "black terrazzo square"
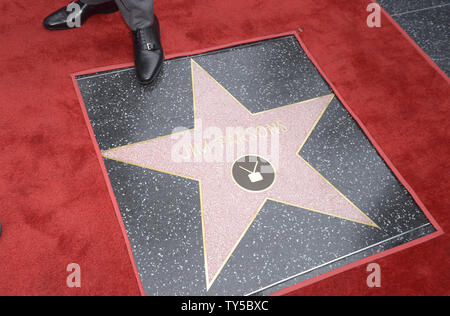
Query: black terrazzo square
(283, 245)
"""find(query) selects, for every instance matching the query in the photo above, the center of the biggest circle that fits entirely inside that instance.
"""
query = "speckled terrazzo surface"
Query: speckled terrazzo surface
(284, 245)
(427, 22)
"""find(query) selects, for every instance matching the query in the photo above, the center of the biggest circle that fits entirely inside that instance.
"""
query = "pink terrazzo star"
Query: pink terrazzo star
(227, 209)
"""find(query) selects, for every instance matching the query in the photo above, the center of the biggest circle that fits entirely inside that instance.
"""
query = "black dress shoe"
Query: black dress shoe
(148, 53)
(58, 19)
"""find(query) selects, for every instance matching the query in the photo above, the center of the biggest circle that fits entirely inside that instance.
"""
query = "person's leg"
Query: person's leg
(148, 52)
(138, 14)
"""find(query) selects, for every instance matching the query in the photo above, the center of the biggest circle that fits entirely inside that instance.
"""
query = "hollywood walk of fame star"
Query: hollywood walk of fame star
(228, 208)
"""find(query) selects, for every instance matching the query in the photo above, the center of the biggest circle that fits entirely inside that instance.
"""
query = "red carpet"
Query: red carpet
(55, 207)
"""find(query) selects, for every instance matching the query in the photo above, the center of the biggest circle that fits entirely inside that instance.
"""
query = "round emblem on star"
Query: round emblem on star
(253, 173)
